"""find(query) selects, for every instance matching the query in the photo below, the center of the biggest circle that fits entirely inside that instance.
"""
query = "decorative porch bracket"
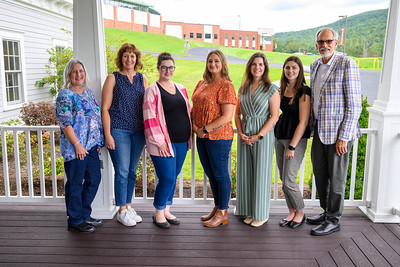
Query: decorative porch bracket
(382, 173)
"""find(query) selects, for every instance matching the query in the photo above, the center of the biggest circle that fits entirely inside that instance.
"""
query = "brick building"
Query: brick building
(131, 15)
(256, 40)
(138, 16)
(199, 32)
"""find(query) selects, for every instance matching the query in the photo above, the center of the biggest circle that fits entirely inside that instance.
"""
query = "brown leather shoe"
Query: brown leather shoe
(210, 215)
(220, 217)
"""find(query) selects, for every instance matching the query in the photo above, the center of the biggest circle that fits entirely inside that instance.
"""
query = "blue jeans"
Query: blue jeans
(214, 156)
(83, 179)
(128, 148)
(167, 169)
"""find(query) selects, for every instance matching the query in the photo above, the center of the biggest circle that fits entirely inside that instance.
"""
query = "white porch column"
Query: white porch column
(383, 196)
(89, 46)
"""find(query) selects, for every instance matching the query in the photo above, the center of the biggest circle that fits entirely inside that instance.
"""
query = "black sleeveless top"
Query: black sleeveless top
(176, 116)
(289, 119)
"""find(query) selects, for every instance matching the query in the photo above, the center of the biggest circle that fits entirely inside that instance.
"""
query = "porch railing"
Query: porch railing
(31, 154)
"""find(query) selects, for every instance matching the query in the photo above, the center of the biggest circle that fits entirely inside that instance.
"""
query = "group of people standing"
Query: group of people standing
(161, 117)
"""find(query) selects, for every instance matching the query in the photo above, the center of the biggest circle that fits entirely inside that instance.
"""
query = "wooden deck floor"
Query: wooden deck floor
(36, 235)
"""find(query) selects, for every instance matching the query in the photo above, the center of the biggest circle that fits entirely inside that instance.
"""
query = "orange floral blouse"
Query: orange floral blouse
(207, 100)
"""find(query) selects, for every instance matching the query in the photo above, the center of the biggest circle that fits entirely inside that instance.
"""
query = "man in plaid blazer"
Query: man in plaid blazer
(336, 108)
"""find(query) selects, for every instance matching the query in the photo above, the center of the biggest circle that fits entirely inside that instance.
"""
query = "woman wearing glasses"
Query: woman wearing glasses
(122, 116)
(168, 131)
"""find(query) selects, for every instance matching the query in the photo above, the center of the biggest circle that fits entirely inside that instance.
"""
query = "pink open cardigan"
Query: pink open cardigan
(155, 127)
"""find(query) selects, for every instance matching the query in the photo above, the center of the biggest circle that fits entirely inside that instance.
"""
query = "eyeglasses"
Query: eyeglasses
(170, 68)
(321, 42)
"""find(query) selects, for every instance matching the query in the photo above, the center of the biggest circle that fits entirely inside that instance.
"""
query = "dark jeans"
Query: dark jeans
(214, 156)
(83, 179)
(168, 169)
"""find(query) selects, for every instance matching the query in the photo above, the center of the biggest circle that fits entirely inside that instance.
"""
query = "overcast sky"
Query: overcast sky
(282, 16)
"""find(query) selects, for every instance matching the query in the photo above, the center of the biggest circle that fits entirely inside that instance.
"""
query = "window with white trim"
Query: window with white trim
(12, 70)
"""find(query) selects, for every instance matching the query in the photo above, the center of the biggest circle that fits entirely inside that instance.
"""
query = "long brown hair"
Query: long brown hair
(248, 77)
(300, 81)
(130, 48)
(224, 71)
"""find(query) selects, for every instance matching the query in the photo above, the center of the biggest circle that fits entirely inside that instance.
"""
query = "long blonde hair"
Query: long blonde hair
(224, 71)
(248, 77)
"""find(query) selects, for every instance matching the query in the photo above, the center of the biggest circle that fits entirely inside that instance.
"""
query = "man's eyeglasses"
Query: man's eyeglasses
(170, 68)
(321, 42)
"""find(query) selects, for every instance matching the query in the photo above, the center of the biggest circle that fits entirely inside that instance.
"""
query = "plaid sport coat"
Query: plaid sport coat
(339, 106)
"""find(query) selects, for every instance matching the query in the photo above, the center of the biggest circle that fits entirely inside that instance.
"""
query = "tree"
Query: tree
(55, 71)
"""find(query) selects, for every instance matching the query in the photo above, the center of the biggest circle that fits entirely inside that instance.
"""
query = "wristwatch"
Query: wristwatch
(260, 137)
(291, 148)
(205, 130)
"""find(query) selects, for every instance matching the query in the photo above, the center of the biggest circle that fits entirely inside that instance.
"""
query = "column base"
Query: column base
(105, 214)
(379, 218)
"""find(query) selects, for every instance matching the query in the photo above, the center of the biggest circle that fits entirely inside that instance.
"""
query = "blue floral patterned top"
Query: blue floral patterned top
(82, 112)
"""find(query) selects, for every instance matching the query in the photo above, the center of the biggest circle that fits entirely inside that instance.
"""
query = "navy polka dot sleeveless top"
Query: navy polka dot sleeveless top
(126, 111)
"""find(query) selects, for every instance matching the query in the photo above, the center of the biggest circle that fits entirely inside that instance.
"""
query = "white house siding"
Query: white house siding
(41, 30)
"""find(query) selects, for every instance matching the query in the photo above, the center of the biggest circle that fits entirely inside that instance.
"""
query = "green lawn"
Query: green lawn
(156, 42)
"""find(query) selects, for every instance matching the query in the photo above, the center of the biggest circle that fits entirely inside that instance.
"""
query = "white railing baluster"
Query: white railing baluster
(204, 186)
(353, 170)
(302, 168)
(17, 164)
(192, 173)
(313, 189)
(41, 164)
(181, 185)
(144, 174)
(276, 182)
(29, 162)
(366, 189)
(53, 164)
(5, 163)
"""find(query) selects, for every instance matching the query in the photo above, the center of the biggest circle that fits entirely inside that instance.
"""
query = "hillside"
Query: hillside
(365, 35)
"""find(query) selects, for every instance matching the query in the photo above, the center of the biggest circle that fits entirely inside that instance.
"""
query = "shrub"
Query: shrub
(39, 114)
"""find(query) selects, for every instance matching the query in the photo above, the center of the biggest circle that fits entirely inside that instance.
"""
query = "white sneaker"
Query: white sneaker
(125, 219)
(132, 213)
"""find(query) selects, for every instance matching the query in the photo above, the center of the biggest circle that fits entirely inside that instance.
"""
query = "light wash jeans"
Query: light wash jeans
(128, 148)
